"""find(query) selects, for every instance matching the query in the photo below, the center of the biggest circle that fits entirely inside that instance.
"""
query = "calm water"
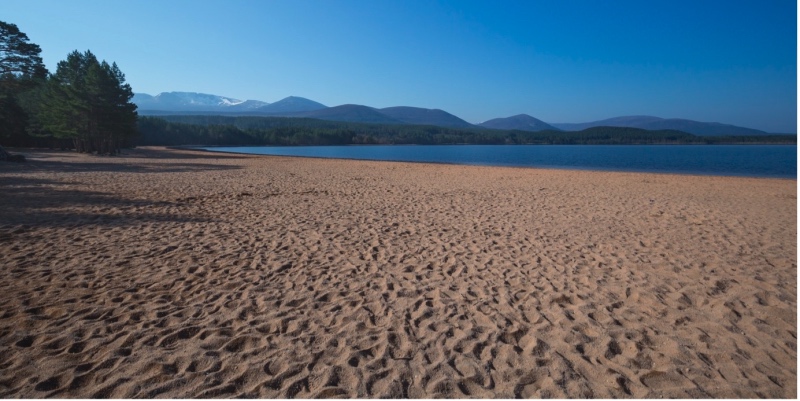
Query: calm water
(778, 161)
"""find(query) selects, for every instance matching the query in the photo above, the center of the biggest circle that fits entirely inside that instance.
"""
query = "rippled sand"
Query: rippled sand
(168, 273)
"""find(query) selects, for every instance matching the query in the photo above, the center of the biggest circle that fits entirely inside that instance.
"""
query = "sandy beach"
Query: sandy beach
(175, 273)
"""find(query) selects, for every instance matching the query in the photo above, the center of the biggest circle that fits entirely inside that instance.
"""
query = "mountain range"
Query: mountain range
(656, 123)
(293, 106)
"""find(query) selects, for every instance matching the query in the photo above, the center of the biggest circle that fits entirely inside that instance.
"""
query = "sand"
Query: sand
(165, 273)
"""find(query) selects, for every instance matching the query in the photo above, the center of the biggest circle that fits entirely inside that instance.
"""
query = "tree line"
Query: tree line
(85, 104)
(286, 131)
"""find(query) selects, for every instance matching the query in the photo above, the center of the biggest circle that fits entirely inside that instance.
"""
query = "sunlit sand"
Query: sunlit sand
(166, 273)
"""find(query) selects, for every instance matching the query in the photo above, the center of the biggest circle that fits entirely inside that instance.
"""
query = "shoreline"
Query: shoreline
(575, 169)
(186, 273)
(201, 148)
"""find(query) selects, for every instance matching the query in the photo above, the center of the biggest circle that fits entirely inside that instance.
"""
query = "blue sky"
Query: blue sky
(560, 61)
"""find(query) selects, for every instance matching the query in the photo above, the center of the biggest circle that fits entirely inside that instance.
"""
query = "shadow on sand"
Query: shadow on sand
(40, 160)
(32, 202)
(28, 201)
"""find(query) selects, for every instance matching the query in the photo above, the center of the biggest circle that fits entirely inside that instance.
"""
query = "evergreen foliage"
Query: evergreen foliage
(19, 59)
(88, 102)
(21, 70)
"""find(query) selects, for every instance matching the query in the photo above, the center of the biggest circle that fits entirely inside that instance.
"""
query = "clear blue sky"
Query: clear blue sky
(559, 60)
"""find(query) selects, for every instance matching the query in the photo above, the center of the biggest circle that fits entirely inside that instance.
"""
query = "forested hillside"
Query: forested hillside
(232, 131)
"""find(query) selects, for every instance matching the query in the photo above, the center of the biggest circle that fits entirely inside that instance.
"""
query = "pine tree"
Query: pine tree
(19, 59)
(89, 102)
(21, 70)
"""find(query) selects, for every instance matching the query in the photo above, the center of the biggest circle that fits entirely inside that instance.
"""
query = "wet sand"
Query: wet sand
(166, 273)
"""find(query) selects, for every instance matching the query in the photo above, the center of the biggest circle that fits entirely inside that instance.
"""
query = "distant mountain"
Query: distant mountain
(291, 104)
(141, 98)
(191, 101)
(420, 116)
(626, 121)
(701, 128)
(656, 123)
(350, 113)
(522, 122)
(247, 105)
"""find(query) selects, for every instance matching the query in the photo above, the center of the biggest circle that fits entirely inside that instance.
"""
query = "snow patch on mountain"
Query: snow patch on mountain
(193, 101)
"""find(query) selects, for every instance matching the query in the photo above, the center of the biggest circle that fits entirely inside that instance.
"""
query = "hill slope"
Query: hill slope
(656, 123)
(350, 113)
(420, 116)
(701, 128)
(291, 104)
(522, 122)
